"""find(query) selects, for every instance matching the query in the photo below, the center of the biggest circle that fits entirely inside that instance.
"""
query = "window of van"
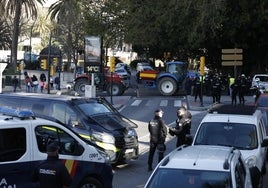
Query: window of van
(46, 134)
(63, 113)
(12, 144)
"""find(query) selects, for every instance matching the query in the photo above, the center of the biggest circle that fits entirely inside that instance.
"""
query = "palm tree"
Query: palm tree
(67, 15)
(16, 8)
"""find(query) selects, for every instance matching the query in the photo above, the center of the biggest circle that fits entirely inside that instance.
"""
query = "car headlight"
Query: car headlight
(131, 132)
(102, 137)
(251, 161)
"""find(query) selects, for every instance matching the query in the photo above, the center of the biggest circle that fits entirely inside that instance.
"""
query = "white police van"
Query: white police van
(23, 140)
(241, 127)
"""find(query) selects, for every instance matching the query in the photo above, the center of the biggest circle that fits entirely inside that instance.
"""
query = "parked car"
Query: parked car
(201, 167)
(241, 127)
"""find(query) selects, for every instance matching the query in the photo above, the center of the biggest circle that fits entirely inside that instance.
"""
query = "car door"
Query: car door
(15, 152)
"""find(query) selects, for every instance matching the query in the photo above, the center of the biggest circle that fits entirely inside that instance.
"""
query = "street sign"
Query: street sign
(232, 57)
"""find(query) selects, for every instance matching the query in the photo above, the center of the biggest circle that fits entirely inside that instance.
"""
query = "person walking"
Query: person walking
(35, 83)
(52, 172)
(28, 83)
(183, 126)
(15, 83)
(197, 89)
(158, 132)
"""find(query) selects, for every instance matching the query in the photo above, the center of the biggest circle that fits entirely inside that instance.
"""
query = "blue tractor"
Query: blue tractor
(168, 82)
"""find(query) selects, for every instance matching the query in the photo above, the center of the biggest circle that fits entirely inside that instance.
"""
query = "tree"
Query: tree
(16, 8)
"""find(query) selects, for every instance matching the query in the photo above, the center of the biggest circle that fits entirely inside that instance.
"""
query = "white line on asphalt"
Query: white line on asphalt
(136, 103)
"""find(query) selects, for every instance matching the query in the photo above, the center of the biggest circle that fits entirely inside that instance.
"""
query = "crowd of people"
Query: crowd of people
(214, 85)
(35, 84)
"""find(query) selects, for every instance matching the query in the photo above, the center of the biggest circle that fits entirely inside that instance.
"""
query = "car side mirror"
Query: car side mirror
(264, 142)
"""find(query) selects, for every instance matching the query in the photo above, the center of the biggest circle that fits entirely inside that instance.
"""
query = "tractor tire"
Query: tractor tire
(117, 89)
(167, 86)
(79, 86)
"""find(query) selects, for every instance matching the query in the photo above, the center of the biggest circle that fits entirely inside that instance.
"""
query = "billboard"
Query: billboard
(92, 50)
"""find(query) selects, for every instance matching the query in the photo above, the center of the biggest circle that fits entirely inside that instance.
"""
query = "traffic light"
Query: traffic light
(56, 61)
(19, 66)
(112, 64)
(44, 64)
(202, 65)
(52, 70)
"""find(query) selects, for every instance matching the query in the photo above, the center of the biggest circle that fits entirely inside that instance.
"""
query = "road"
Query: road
(140, 109)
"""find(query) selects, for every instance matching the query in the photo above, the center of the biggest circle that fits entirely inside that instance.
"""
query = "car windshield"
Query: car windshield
(92, 108)
(174, 178)
(238, 135)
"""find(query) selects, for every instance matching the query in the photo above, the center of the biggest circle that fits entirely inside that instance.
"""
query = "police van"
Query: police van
(95, 119)
(23, 141)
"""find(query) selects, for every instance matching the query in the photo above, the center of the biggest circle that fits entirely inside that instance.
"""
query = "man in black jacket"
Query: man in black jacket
(52, 172)
(158, 133)
(183, 126)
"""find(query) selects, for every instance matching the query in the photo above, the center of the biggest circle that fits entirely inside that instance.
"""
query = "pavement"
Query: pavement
(120, 101)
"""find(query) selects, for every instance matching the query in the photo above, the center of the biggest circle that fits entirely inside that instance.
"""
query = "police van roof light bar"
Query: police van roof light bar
(17, 113)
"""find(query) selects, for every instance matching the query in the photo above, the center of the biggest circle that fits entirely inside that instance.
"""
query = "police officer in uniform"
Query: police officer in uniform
(183, 126)
(52, 172)
(158, 133)
(242, 89)
(216, 89)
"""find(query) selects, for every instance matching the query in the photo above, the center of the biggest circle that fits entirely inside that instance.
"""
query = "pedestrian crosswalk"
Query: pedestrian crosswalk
(158, 102)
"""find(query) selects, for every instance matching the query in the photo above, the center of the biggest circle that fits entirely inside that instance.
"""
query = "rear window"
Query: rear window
(240, 136)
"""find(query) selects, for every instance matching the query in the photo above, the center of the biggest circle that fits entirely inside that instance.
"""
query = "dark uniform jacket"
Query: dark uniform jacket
(183, 125)
(158, 130)
(52, 173)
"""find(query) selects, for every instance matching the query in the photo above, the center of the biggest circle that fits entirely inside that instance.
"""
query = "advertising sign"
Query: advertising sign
(93, 50)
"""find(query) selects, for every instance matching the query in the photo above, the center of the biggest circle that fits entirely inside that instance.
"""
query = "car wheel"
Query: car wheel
(90, 182)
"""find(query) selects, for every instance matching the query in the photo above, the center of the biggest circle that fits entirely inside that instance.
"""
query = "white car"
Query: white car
(238, 126)
(200, 167)
(260, 80)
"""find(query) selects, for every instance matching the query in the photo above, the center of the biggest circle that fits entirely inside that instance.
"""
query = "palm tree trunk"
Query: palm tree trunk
(14, 45)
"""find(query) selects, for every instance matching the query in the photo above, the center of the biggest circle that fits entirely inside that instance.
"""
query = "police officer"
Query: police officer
(183, 126)
(216, 89)
(158, 133)
(52, 172)
(234, 91)
(242, 89)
